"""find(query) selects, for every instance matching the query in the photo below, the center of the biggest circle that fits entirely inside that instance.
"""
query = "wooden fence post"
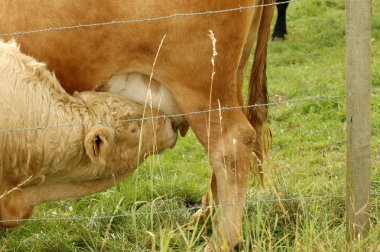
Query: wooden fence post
(358, 94)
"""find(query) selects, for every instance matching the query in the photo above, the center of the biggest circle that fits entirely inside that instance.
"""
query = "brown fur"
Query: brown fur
(85, 59)
(60, 157)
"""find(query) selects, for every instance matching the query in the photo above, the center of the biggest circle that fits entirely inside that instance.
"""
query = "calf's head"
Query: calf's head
(129, 133)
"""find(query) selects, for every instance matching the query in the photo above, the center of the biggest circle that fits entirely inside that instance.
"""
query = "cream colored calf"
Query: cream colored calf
(73, 154)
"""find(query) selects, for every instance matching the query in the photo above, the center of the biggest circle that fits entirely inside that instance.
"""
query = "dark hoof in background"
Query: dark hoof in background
(276, 37)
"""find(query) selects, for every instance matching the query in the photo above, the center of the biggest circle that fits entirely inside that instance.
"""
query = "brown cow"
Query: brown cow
(43, 158)
(90, 57)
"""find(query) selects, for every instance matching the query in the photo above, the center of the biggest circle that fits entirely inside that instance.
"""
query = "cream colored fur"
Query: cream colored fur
(139, 88)
(72, 154)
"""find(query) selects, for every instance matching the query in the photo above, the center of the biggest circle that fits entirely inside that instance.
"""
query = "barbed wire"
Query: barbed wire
(174, 211)
(194, 113)
(181, 210)
(142, 20)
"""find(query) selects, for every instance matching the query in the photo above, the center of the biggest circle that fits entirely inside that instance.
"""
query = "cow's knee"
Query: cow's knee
(235, 150)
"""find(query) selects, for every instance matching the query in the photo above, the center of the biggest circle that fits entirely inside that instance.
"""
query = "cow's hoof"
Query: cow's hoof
(213, 247)
(199, 220)
(276, 38)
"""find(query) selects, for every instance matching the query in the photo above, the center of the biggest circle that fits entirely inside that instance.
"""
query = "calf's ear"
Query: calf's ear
(98, 143)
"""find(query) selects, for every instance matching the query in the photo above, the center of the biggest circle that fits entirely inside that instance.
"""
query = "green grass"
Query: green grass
(307, 159)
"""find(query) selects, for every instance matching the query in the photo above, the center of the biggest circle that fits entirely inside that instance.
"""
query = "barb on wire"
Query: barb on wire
(174, 211)
(142, 20)
(194, 113)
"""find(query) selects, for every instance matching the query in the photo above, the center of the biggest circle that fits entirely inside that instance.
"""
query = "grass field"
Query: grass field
(306, 165)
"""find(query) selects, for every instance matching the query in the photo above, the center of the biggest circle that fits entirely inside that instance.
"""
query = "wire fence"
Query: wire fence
(172, 116)
(173, 211)
(186, 210)
(194, 113)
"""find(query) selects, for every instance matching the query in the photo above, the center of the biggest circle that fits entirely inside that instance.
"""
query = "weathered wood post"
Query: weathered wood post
(358, 49)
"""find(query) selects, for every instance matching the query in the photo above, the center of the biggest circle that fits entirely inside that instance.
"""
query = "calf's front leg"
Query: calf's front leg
(19, 204)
